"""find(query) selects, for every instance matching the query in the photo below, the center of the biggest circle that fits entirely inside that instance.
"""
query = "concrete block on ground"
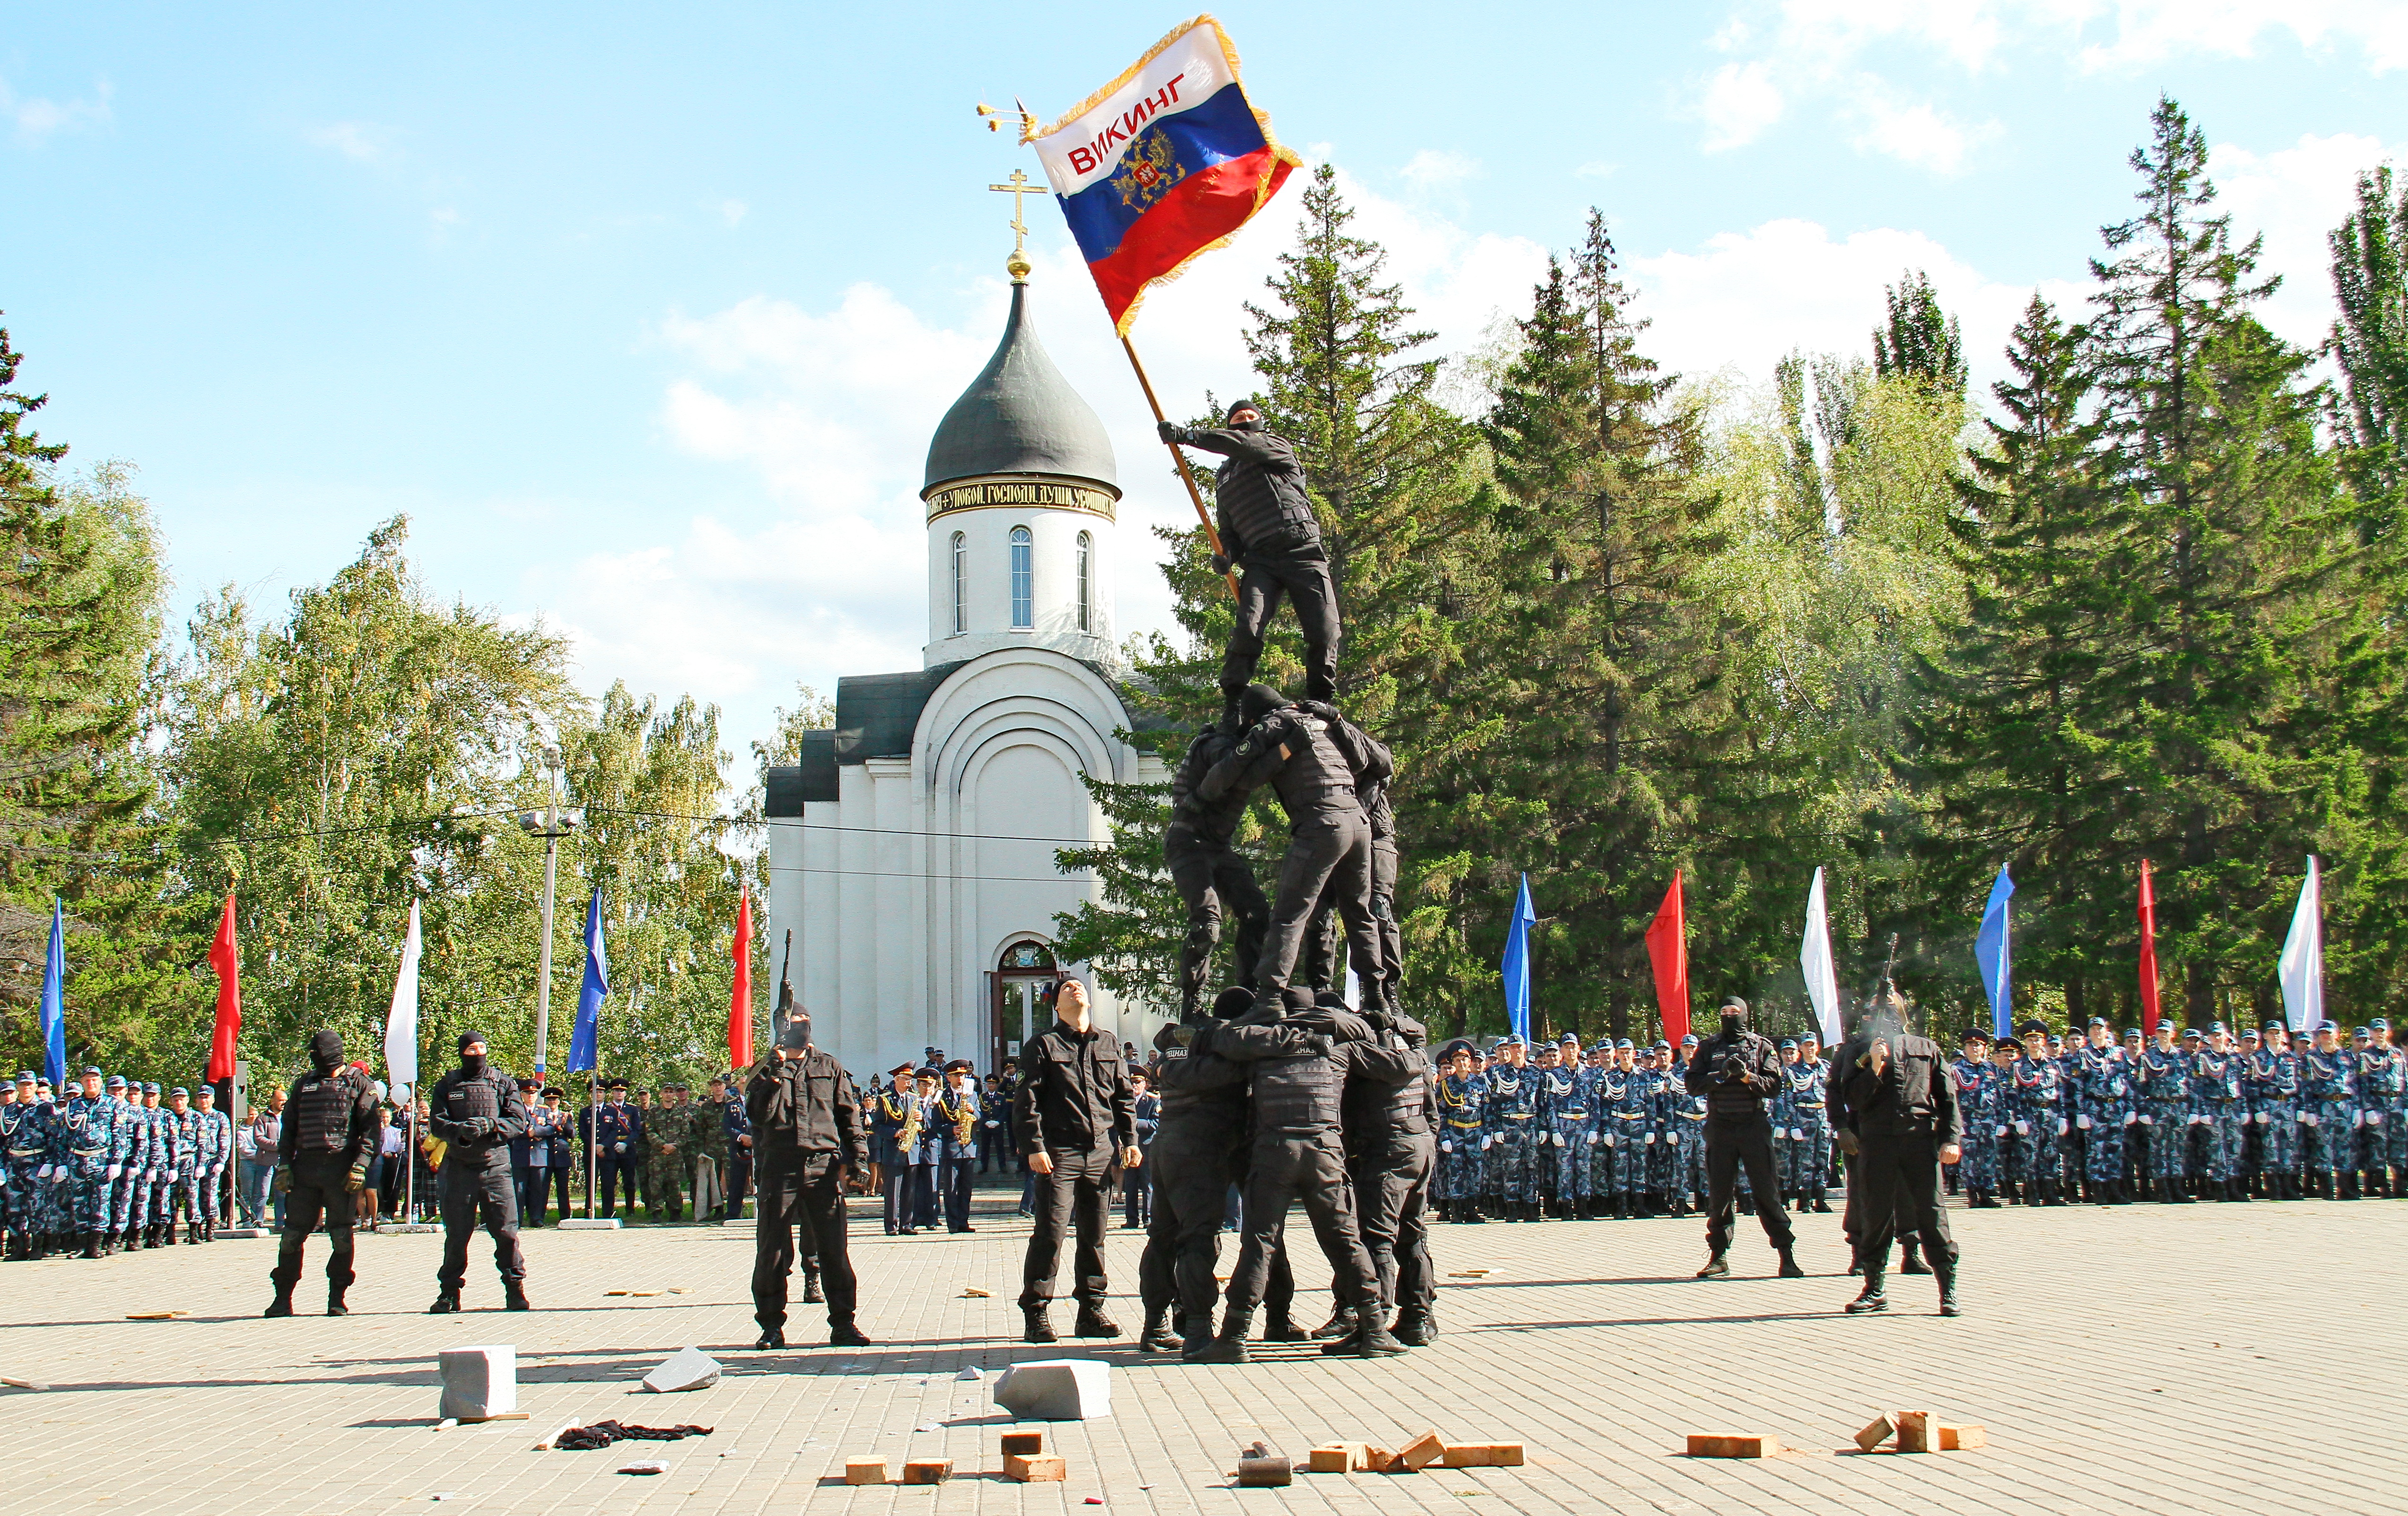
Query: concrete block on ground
(479, 1384)
(1963, 1437)
(1036, 1468)
(1483, 1455)
(927, 1470)
(1420, 1453)
(1057, 1390)
(865, 1471)
(1023, 1442)
(688, 1369)
(1876, 1432)
(1915, 1432)
(1733, 1445)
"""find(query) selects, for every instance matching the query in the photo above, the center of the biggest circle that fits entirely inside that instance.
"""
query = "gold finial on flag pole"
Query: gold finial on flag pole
(1017, 265)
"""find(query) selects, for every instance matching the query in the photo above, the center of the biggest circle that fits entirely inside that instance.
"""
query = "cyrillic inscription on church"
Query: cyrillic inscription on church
(1004, 492)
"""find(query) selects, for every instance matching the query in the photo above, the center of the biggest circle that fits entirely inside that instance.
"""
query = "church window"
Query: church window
(961, 584)
(1024, 606)
(1086, 566)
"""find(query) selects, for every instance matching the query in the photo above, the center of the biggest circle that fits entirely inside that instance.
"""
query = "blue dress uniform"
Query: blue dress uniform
(129, 1157)
(2328, 1099)
(1782, 1113)
(1680, 1144)
(617, 1128)
(212, 1148)
(1807, 1153)
(892, 1113)
(1564, 1127)
(2381, 1089)
(1462, 1117)
(167, 1157)
(2219, 1114)
(2272, 1080)
(2106, 1107)
(1977, 1171)
(1596, 1157)
(182, 1148)
(25, 1140)
(1662, 1164)
(2164, 1077)
(957, 1159)
(1511, 1140)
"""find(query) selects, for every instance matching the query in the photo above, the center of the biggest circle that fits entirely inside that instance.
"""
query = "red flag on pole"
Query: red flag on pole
(226, 958)
(1668, 948)
(740, 1010)
(2148, 954)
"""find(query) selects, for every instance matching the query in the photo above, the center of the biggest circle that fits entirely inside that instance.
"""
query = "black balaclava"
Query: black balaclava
(1260, 701)
(797, 1033)
(1734, 1016)
(325, 1051)
(472, 1065)
(1253, 425)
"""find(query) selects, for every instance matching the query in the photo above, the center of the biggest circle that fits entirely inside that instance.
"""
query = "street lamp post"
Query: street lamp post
(550, 823)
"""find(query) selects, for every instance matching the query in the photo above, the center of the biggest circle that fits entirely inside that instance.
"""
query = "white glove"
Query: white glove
(1674, 1136)
(43, 1172)
(2022, 1128)
(2306, 1118)
(2375, 1118)
(1446, 1147)
(118, 1170)
(2358, 1119)
(2083, 1120)
(1484, 1142)
(2258, 1116)
(1609, 1141)
(2000, 1132)
(2060, 1125)
(617, 1146)
(1592, 1137)
(2145, 1121)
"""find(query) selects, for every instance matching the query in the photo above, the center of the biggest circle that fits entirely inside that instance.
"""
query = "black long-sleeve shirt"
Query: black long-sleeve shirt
(803, 1108)
(1913, 1094)
(1076, 1092)
(1260, 493)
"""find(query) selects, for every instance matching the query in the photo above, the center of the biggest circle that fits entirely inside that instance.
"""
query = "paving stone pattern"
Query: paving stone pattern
(2194, 1358)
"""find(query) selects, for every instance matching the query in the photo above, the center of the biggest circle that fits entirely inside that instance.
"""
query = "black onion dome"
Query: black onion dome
(1020, 416)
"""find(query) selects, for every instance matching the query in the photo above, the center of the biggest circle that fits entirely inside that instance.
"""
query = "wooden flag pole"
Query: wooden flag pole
(1194, 495)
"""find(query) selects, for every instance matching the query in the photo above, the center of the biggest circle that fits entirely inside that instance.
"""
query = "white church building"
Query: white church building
(911, 848)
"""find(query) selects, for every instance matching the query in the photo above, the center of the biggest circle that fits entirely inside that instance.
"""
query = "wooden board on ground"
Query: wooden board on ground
(1483, 1455)
(865, 1471)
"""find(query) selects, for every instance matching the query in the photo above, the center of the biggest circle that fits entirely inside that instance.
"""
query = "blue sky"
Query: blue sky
(644, 314)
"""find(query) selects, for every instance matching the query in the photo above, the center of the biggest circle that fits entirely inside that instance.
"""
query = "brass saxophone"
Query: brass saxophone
(965, 1123)
(909, 1138)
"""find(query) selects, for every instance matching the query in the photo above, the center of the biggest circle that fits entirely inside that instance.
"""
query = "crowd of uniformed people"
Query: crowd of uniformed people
(1559, 1130)
(109, 1164)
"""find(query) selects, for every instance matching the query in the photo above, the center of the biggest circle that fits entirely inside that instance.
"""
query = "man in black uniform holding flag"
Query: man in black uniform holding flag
(1267, 529)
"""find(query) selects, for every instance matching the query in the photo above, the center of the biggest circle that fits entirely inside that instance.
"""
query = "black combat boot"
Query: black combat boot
(1910, 1257)
(335, 1306)
(1367, 1334)
(282, 1304)
(1157, 1335)
(1873, 1296)
(1038, 1325)
(1228, 1348)
(770, 1340)
(845, 1334)
(133, 1240)
(92, 1250)
(1717, 1267)
(1341, 1323)
(1822, 1203)
(1196, 1337)
(1789, 1269)
(1945, 1271)
(1279, 1326)
(811, 1295)
(447, 1303)
(514, 1297)
(1416, 1328)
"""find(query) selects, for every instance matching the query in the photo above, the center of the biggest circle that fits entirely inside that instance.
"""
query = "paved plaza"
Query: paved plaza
(2203, 1357)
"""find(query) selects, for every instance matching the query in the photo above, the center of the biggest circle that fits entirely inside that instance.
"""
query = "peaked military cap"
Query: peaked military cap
(182, 1091)
(29, 1077)
(116, 1082)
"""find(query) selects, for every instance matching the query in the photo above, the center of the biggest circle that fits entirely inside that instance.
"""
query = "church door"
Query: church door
(1017, 1017)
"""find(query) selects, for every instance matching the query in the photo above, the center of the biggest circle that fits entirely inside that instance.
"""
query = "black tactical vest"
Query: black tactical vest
(1299, 1098)
(321, 1112)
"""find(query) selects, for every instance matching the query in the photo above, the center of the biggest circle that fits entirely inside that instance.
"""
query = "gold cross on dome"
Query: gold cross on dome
(1020, 186)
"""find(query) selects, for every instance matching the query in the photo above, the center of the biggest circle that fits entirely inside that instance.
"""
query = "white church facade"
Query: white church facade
(912, 846)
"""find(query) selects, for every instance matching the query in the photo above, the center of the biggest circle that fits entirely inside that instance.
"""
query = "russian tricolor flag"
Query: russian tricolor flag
(1163, 164)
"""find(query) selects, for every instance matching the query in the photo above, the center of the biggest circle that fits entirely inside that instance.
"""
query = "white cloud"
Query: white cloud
(1434, 169)
(2294, 196)
(356, 141)
(36, 118)
(1599, 168)
(1921, 135)
(2150, 31)
(1738, 103)
(733, 211)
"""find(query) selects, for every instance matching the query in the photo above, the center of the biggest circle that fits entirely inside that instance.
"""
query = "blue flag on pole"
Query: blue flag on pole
(1518, 964)
(585, 1043)
(55, 1000)
(1991, 953)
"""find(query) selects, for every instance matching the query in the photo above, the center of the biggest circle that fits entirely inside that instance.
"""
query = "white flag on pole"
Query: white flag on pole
(401, 1023)
(1815, 958)
(2302, 966)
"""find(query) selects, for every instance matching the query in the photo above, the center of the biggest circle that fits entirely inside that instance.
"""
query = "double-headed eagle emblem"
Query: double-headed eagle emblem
(1149, 171)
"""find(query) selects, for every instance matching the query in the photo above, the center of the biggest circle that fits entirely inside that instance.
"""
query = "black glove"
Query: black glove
(1220, 563)
(477, 1127)
(1169, 432)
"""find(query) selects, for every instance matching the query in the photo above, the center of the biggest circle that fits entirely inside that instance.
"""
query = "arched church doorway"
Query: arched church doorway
(1017, 1017)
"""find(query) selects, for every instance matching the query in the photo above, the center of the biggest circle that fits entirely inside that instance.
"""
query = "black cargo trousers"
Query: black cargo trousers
(802, 1190)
